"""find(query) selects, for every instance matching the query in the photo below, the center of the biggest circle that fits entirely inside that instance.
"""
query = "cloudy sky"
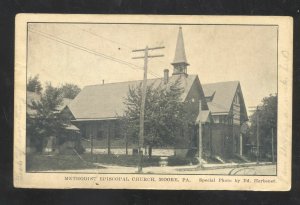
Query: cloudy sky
(86, 54)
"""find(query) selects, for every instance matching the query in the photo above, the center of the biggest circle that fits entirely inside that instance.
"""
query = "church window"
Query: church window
(216, 119)
(223, 119)
(236, 99)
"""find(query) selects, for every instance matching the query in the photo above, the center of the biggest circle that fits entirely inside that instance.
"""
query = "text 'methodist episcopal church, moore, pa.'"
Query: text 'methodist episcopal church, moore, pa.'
(222, 113)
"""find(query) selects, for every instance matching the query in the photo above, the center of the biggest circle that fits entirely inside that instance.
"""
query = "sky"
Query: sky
(87, 54)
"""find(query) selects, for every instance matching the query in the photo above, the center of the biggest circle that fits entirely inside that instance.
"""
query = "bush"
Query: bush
(192, 153)
(79, 148)
(194, 161)
(179, 160)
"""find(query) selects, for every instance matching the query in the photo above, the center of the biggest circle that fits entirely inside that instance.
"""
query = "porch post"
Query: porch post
(200, 144)
(200, 136)
(241, 144)
(210, 140)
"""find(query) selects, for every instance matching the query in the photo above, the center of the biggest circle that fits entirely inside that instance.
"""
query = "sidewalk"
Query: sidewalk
(191, 169)
(226, 165)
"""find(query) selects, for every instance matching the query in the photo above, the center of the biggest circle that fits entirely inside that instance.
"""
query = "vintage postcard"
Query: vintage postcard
(153, 102)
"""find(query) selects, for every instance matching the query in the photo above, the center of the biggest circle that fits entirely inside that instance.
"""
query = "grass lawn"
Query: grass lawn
(41, 162)
(121, 160)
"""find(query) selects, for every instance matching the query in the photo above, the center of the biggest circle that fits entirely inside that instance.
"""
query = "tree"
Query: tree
(164, 114)
(34, 84)
(70, 90)
(267, 115)
(47, 121)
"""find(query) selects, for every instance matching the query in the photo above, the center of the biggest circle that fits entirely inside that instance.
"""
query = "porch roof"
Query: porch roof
(204, 116)
(223, 95)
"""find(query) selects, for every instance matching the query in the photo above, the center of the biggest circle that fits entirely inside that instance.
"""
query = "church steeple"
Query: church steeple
(180, 63)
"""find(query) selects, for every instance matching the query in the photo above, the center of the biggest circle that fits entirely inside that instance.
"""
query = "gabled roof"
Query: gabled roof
(65, 102)
(106, 101)
(72, 127)
(204, 116)
(223, 92)
(33, 96)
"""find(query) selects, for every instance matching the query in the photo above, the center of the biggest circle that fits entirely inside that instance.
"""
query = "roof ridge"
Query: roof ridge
(231, 81)
(111, 97)
(121, 82)
(130, 81)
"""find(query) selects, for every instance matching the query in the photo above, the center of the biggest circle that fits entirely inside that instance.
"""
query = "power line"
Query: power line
(110, 40)
(95, 34)
(113, 41)
(68, 43)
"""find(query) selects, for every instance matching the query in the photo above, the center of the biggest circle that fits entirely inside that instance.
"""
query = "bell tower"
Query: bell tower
(180, 63)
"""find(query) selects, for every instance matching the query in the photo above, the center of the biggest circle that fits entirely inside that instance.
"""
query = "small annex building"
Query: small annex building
(97, 109)
(226, 104)
(51, 145)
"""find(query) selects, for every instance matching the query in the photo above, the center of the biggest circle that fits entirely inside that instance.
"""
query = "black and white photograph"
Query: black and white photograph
(152, 98)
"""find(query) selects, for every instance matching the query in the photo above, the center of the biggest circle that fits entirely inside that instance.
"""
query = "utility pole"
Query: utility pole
(233, 138)
(144, 90)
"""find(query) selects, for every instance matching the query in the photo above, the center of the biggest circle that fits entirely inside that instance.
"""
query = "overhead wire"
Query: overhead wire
(97, 35)
(112, 41)
(71, 44)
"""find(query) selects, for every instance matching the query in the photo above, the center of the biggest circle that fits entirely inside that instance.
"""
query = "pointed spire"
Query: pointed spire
(180, 62)
(180, 56)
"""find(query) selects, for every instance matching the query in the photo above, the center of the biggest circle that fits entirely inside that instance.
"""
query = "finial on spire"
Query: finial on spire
(180, 62)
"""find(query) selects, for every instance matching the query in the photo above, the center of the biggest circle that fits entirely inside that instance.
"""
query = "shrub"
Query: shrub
(194, 161)
(192, 153)
(179, 160)
(151, 161)
(79, 148)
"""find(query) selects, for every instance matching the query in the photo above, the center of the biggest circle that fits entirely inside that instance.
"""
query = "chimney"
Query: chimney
(166, 76)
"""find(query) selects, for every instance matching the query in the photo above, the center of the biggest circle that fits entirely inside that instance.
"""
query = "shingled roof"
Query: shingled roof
(204, 116)
(32, 96)
(106, 101)
(222, 94)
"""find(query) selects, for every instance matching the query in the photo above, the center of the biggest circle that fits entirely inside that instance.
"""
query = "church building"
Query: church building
(218, 107)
